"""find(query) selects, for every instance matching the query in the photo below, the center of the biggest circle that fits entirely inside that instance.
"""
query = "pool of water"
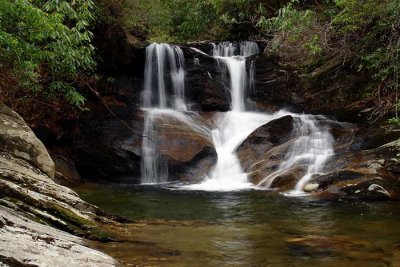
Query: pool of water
(246, 228)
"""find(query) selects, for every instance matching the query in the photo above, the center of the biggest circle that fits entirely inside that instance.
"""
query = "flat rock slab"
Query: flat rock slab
(27, 242)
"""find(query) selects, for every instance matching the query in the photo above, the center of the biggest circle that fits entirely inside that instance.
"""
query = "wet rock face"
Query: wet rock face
(366, 174)
(205, 86)
(66, 172)
(189, 152)
(264, 149)
(106, 149)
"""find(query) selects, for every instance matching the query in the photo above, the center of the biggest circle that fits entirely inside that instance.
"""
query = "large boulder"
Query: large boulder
(32, 205)
(184, 143)
(19, 140)
(261, 140)
(262, 152)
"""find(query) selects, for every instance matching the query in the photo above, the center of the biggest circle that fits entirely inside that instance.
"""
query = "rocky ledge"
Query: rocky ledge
(41, 222)
(366, 163)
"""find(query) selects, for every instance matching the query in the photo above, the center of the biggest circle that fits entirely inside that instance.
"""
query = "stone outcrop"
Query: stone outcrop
(106, 148)
(366, 174)
(18, 139)
(32, 205)
(261, 153)
(206, 87)
(365, 164)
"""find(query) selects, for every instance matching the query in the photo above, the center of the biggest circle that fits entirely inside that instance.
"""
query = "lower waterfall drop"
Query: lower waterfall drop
(234, 126)
(312, 147)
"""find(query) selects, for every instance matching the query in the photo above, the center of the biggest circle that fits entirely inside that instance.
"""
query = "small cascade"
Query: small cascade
(154, 170)
(229, 49)
(312, 147)
(234, 126)
(233, 56)
(164, 69)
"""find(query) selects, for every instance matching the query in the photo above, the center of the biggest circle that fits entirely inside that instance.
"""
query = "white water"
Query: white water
(311, 146)
(154, 170)
(232, 127)
(159, 59)
(165, 64)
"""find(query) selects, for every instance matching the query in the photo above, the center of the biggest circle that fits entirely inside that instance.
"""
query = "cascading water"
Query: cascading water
(311, 144)
(165, 65)
(153, 168)
(159, 59)
(311, 148)
(234, 126)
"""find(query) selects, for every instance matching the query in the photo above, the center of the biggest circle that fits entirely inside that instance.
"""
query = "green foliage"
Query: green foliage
(47, 43)
(171, 20)
(394, 121)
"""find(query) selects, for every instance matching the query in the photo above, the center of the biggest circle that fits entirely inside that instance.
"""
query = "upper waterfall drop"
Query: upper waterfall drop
(164, 68)
(234, 57)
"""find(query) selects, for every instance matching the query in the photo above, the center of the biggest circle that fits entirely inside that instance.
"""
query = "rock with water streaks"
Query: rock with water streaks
(262, 152)
(366, 174)
(186, 146)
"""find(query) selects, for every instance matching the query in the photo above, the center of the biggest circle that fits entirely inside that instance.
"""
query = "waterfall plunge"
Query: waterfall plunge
(160, 57)
(234, 126)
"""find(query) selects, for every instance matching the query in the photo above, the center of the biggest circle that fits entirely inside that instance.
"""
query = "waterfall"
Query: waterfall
(153, 168)
(233, 57)
(233, 127)
(164, 68)
(163, 98)
(159, 59)
(311, 148)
